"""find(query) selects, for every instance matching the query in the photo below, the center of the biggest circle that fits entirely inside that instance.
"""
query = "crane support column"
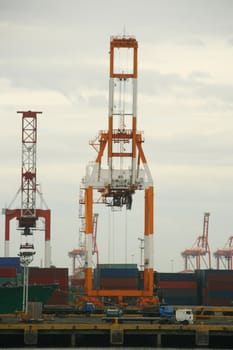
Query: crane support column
(46, 214)
(9, 215)
(148, 240)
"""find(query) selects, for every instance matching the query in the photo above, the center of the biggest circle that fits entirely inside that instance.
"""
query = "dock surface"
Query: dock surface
(126, 331)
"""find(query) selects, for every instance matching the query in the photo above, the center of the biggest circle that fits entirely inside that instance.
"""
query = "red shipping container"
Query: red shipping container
(220, 277)
(8, 272)
(48, 272)
(178, 284)
(118, 283)
(218, 302)
(49, 276)
(220, 285)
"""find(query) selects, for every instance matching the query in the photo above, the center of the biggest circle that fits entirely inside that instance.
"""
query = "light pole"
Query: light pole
(26, 256)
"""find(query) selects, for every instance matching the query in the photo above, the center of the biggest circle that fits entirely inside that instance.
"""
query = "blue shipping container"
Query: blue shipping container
(6, 262)
(119, 273)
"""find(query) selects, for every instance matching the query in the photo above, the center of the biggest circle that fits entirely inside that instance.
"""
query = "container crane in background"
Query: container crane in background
(224, 256)
(200, 250)
(124, 170)
(78, 255)
(28, 214)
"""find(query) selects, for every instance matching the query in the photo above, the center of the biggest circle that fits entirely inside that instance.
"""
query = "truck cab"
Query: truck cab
(114, 312)
(184, 316)
(89, 308)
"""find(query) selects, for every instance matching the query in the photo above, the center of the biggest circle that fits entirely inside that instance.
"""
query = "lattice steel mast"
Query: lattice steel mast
(28, 214)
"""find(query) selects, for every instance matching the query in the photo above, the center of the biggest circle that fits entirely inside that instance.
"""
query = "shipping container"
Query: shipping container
(177, 288)
(177, 276)
(220, 293)
(8, 272)
(118, 273)
(219, 302)
(204, 276)
(178, 285)
(48, 276)
(118, 283)
(179, 296)
(220, 285)
(117, 266)
(215, 287)
(11, 262)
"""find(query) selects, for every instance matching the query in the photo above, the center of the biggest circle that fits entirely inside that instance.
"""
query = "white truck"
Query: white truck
(184, 316)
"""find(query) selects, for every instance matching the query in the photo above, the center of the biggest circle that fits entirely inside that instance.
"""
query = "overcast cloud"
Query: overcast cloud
(54, 58)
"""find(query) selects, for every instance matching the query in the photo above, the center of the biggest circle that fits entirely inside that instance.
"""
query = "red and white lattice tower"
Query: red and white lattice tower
(28, 214)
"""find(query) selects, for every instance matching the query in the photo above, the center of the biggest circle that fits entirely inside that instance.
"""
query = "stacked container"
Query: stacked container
(179, 288)
(116, 276)
(10, 271)
(216, 287)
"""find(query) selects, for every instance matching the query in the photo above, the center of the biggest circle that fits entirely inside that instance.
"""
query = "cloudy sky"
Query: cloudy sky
(54, 58)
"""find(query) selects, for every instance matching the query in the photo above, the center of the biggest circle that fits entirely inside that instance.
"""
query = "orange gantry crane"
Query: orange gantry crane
(124, 169)
(200, 250)
(28, 213)
(224, 256)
